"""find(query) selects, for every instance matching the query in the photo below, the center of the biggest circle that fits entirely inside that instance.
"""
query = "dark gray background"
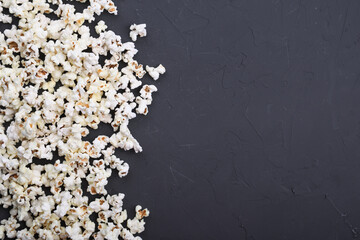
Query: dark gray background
(254, 133)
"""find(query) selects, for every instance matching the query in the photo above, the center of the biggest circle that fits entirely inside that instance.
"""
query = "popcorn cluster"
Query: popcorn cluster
(53, 89)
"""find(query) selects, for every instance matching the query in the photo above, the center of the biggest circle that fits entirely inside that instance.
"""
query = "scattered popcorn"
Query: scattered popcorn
(53, 91)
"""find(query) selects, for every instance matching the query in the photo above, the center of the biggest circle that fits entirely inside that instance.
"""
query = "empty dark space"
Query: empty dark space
(255, 131)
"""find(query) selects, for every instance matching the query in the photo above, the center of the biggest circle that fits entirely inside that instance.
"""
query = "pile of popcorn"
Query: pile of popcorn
(53, 90)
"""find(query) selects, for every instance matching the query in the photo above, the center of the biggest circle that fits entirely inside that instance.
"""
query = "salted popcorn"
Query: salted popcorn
(53, 92)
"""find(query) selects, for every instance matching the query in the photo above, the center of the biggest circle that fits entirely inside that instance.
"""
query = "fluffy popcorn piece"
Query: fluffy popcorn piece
(5, 18)
(156, 72)
(63, 207)
(100, 27)
(100, 204)
(141, 213)
(142, 106)
(2, 232)
(136, 68)
(74, 231)
(116, 201)
(127, 235)
(135, 225)
(113, 232)
(123, 169)
(3, 141)
(146, 91)
(100, 142)
(145, 99)
(10, 226)
(137, 30)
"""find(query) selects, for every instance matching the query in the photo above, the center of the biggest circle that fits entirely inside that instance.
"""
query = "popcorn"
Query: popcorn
(116, 201)
(137, 30)
(135, 225)
(141, 213)
(53, 91)
(10, 226)
(100, 204)
(100, 27)
(3, 17)
(127, 235)
(155, 72)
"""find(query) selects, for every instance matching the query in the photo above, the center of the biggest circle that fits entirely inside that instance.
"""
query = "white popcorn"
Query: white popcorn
(123, 169)
(137, 30)
(3, 141)
(53, 91)
(99, 205)
(126, 235)
(2, 232)
(74, 231)
(3, 17)
(100, 27)
(142, 106)
(135, 225)
(113, 232)
(141, 213)
(24, 234)
(116, 201)
(155, 72)
(100, 142)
